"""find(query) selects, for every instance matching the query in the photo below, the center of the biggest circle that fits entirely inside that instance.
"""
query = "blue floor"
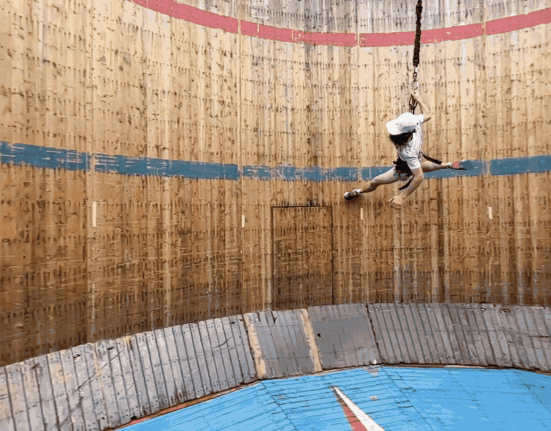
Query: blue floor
(395, 398)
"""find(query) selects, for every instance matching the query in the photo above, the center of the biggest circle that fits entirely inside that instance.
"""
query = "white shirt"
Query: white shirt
(410, 152)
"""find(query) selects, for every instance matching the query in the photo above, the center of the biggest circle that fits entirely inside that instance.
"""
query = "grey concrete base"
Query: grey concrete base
(107, 384)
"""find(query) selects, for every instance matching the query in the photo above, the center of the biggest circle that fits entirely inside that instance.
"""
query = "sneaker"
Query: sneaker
(353, 194)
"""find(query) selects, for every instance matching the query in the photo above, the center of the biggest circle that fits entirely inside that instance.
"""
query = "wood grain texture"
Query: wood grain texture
(98, 253)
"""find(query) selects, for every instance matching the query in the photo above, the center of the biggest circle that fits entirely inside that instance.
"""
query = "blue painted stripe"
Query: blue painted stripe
(257, 172)
(292, 173)
(162, 167)
(58, 158)
(43, 157)
(521, 165)
(372, 172)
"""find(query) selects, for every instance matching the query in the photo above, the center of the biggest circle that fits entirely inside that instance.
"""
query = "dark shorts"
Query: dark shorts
(402, 169)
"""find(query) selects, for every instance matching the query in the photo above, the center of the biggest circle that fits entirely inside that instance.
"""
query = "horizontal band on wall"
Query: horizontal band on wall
(58, 158)
(233, 25)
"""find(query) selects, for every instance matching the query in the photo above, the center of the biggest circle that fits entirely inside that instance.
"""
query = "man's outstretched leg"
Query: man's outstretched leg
(387, 177)
(429, 166)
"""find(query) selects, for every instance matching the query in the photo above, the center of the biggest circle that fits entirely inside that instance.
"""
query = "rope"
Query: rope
(416, 50)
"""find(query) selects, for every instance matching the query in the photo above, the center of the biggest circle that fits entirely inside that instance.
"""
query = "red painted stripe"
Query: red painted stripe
(354, 422)
(274, 33)
(204, 18)
(334, 39)
(519, 22)
(387, 39)
(232, 25)
(452, 33)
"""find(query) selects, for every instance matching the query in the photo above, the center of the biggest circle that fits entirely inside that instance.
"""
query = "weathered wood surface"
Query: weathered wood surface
(81, 193)
(344, 335)
(107, 384)
(282, 343)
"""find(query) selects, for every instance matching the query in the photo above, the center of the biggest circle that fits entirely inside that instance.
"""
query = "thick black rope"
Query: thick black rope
(416, 51)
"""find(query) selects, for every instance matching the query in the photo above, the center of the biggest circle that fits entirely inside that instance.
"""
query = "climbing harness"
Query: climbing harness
(416, 49)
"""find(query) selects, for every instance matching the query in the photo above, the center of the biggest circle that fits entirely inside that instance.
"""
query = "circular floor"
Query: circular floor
(375, 398)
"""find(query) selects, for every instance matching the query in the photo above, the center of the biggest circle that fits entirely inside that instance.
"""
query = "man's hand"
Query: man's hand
(397, 201)
(424, 109)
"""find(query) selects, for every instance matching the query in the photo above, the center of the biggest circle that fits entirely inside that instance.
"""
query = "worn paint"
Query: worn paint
(156, 144)
(393, 398)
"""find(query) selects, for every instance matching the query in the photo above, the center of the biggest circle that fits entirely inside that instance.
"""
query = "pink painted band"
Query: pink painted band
(233, 25)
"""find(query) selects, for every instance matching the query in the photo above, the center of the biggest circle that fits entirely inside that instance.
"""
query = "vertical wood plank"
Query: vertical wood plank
(17, 397)
(6, 415)
(534, 336)
(224, 346)
(268, 344)
(157, 370)
(408, 339)
(284, 354)
(32, 395)
(327, 352)
(409, 322)
(475, 333)
(497, 336)
(453, 337)
(387, 354)
(513, 337)
(232, 351)
(209, 357)
(247, 348)
(416, 317)
(217, 354)
(73, 393)
(128, 378)
(531, 357)
(340, 315)
(395, 345)
(435, 352)
(443, 354)
(104, 374)
(473, 355)
(299, 328)
(334, 336)
(464, 355)
(92, 364)
(443, 331)
(542, 316)
(60, 393)
(165, 367)
(200, 357)
(175, 363)
(243, 346)
(483, 330)
(118, 381)
(149, 399)
(369, 336)
(185, 364)
(91, 421)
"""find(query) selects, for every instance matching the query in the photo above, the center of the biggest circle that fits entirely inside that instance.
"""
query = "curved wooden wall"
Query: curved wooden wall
(161, 164)
(109, 383)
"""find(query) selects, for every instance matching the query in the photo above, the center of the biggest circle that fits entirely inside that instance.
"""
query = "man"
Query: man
(406, 135)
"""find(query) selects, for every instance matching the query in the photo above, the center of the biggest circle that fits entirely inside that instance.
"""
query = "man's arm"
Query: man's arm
(398, 200)
(424, 108)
